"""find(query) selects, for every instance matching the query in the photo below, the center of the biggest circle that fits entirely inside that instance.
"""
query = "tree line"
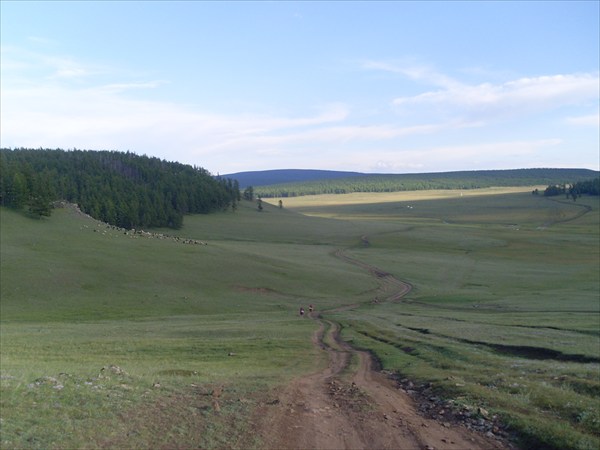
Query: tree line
(574, 190)
(412, 182)
(119, 188)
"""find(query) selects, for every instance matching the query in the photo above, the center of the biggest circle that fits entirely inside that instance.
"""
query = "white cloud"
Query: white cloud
(415, 72)
(51, 115)
(513, 98)
(45, 41)
(591, 120)
(50, 101)
(121, 87)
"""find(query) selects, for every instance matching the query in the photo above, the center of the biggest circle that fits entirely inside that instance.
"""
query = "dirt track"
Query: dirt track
(364, 410)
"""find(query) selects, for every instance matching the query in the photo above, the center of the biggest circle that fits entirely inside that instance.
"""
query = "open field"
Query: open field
(504, 315)
(505, 305)
(78, 296)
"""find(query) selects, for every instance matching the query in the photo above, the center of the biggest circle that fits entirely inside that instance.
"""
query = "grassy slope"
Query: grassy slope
(75, 300)
(515, 270)
(500, 269)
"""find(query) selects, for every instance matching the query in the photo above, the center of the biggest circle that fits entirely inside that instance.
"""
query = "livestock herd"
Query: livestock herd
(105, 228)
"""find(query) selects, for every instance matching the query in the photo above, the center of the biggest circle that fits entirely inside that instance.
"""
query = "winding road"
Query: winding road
(362, 410)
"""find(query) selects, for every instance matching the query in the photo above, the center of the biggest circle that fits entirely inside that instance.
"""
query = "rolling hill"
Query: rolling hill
(290, 183)
(280, 176)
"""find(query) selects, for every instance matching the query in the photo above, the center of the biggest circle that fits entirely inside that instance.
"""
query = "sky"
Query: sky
(376, 87)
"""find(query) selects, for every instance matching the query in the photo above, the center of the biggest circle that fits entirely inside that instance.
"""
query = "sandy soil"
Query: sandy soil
(363, 410)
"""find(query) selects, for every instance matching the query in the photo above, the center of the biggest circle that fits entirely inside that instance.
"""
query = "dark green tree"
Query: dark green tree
(39, 205)
(249, 193)
(554, 190)
(236, 189)
(18, 193)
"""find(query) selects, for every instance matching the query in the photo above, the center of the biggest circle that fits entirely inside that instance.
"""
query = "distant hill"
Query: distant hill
(312, 182)
(280, 176)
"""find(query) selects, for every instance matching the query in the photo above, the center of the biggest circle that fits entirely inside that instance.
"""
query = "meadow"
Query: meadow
(111, 340)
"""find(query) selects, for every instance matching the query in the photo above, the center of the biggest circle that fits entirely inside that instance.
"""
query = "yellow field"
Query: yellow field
(390, 197)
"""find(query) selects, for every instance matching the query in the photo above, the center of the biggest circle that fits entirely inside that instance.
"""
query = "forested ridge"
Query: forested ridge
(279, 176)
(424, 181)
(119, 188)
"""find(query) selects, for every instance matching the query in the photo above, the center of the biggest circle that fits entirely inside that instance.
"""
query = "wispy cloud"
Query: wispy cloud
(512, 98)
(590, 120)
(529, 94)
(52, 115)
(120, 87)
(58, 101)
(44, 41)
(416, 72)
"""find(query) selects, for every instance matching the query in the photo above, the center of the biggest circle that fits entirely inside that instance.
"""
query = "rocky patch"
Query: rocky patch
(450, 412)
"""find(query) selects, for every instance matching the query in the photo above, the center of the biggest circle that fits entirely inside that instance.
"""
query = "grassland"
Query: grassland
(504, 314)
(505, 308)
(78, 297)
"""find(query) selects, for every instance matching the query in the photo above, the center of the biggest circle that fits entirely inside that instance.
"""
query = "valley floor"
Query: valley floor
(349, 406)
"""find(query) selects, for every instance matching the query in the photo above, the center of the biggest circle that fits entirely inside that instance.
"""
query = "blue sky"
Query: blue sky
(391, 87)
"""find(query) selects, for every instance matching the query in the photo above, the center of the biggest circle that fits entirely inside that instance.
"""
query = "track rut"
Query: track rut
(335, 409)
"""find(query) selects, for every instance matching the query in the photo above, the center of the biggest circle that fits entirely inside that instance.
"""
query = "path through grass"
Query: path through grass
(504, 314)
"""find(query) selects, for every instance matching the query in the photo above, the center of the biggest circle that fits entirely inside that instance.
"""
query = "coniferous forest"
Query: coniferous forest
(590, 187)
(122, 189)
(424, 181)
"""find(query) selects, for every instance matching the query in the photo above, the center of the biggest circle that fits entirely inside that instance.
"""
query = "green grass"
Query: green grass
(175, 352)
(493, 271)
(75, 300)
(504, 315)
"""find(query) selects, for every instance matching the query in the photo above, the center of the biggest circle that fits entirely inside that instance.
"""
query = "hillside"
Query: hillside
(122, 189)
(407, 182)
(165, 343)
(280, 176)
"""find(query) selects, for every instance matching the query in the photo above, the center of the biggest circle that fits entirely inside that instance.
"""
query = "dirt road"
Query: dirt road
(364, 410)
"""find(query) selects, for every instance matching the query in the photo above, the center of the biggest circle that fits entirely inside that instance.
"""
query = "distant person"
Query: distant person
(310, 308)
(301, 312)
